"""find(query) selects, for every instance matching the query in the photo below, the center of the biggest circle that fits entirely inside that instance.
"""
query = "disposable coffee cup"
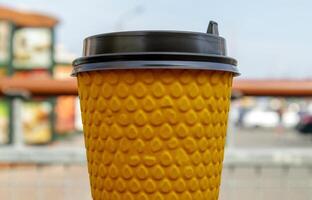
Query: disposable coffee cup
(154, 111)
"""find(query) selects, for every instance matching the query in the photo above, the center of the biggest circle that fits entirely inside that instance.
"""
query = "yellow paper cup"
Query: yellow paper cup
(153, 133)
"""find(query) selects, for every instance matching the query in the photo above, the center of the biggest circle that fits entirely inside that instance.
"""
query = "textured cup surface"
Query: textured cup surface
(155, 134)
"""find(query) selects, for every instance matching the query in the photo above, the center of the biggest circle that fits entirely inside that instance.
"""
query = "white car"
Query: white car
(290, 119)
(261, 118)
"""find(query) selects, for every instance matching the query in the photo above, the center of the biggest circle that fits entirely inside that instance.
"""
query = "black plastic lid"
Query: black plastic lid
(156, 49)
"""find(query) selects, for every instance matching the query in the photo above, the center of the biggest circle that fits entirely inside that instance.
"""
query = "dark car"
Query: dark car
(305, 124)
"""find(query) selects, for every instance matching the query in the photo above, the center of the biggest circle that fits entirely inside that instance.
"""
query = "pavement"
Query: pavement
(270, 138)
(70, 182)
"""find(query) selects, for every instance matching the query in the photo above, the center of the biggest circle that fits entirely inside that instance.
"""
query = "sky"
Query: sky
(269, 38)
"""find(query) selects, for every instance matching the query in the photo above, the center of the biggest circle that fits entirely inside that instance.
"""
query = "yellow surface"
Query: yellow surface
(155, 134)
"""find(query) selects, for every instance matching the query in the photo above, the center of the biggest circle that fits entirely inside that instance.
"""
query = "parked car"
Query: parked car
(260, 117)
(290, 119)
(305, 124)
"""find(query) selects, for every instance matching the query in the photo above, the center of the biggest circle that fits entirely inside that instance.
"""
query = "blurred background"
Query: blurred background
(269, 143)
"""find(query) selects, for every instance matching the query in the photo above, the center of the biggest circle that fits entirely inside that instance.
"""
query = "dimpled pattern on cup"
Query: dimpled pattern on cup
(155, 134)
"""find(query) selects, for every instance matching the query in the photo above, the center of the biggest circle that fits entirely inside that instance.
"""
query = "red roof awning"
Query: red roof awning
(48, 86)
(24, 18)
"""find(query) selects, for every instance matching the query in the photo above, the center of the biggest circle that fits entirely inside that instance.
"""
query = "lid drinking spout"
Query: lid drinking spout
(213, 28)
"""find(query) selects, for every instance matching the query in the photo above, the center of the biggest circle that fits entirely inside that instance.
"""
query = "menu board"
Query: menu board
(5, 30)
(65, 105)
(65, 115)
(36, 122)
(32, 48)
(4, 121)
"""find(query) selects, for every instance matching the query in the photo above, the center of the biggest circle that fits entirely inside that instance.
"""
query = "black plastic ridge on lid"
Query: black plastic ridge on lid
(156, 49)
